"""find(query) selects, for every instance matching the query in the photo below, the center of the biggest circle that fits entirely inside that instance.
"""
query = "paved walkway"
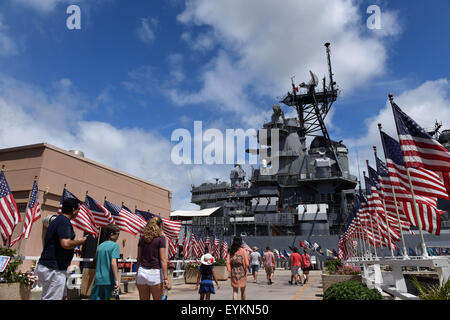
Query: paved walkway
(279, 290)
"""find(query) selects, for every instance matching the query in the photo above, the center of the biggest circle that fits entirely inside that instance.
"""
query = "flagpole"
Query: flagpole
(384, 207)
(416, 209)
(363, 229)
(371, 226)
(405, 253)
(31, 218)
(8, 241)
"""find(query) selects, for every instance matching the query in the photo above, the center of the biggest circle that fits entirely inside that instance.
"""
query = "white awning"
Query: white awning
(194, 213)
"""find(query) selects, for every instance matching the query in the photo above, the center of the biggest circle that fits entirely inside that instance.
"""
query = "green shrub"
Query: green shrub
(351, 290)
(220, 262)
(10, 273)
(332, 265)
(433, 292)
(192, 265)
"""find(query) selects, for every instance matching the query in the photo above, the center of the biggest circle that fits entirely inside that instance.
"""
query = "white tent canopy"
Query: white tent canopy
(194, 213)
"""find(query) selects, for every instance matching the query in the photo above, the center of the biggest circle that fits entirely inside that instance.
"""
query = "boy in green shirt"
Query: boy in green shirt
(106, 275)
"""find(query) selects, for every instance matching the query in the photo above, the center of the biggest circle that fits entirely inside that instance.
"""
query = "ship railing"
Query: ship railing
(393, 282)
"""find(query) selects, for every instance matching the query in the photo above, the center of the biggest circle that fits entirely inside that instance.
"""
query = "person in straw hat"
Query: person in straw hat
(205, 277)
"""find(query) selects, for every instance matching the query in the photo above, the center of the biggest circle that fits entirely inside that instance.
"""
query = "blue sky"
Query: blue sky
(136, 71)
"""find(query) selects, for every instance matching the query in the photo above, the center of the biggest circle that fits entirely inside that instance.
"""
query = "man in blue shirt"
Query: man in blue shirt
(59, 245)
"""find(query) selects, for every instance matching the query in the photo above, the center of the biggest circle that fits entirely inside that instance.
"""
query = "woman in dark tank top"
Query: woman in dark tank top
(151, 276)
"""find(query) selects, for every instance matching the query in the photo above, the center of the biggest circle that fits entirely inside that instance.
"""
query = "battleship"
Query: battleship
(308, 194)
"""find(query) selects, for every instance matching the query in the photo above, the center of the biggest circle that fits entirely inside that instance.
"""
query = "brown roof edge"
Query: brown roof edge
(55, 148)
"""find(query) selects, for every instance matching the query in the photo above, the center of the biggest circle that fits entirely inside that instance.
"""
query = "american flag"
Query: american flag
(173, 245)
(185, 247)
(216, 248)
(9, 213)
(171, 228)
(84, 220)
(425, 182)
(421, 179)
(127, 221)
(419, 149)
(33, 213)
(201, 246)
(102, 216)
(208, 243)
(386, 192)
(385, 223)
(193, 251)
(224, 249)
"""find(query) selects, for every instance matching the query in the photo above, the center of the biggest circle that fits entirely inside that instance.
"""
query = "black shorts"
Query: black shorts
(307, 268)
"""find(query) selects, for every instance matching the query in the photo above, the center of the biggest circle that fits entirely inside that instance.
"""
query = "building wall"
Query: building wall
(57, 168)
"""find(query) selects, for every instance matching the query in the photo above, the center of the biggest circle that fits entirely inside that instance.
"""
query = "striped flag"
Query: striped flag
(224, 249)
(216, 248)
(193, 252)
(420, 177)
(9, 213)
(171, 228)
(208, 244)
(173, 244)
(102, 216)
(201, 246)
(126, 220)
(419, 149)
(84, 220)
(185, 247)
(33, 213)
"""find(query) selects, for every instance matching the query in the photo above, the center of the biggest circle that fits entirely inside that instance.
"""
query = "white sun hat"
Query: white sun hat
(207, 259)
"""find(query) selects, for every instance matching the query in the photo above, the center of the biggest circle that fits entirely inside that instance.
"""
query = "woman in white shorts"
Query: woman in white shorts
(151, 276)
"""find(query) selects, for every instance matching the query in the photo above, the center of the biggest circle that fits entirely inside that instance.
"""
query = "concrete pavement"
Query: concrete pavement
(279, 290)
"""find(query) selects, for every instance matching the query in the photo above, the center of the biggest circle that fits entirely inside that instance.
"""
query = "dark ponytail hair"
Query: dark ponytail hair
(235, 245)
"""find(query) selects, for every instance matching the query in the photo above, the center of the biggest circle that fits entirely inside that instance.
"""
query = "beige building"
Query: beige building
(55, 168)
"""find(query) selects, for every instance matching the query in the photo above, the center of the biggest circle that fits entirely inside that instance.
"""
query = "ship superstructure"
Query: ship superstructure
(299, 188)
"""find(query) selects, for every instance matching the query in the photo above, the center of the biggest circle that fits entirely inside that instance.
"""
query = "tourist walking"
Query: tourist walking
(306, 265)
(237, 266)
(295, 262)
(58, 251)
(269, 265)
(106, 274)
(205, 277)
(255, 262)
(151, 262)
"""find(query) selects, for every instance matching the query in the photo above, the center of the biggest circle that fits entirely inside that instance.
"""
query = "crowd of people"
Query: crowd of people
(152, 262)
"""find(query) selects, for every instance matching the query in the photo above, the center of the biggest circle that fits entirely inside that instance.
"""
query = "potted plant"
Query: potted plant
(191, 272)
(351, 290)
(170, 268)
(335, 271)
(15, 285)
(220, 269)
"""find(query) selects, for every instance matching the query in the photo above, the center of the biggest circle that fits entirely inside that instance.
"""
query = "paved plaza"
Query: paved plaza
(279, 290)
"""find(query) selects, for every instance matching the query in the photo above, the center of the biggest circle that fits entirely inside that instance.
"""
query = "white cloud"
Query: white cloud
(146, 31)
(426, 104)
(43, 5)
(263, 44)
(31, 115)
(8, 46)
